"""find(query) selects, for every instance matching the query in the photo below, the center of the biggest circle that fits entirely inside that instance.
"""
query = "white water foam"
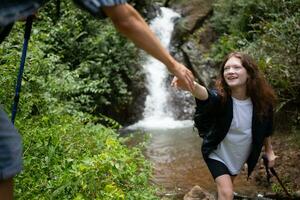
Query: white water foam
(158, 114)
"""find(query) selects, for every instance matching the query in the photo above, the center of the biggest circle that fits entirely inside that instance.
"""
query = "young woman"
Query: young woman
(235, 120)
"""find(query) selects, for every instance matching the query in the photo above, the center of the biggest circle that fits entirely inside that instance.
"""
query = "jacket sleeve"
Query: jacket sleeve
(270, 125)
(205, 115)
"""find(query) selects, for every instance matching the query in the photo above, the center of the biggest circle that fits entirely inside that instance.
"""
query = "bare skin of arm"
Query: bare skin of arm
(269, 152)
(129, 22)
(199, 91)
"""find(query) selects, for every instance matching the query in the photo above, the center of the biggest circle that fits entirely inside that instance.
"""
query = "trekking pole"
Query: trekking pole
(28, 27)
(265, 159)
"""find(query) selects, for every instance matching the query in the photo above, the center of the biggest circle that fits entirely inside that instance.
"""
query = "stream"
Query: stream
(178, 164)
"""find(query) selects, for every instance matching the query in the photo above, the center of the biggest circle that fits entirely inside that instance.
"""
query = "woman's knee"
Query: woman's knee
(225, 187)
(225, 192)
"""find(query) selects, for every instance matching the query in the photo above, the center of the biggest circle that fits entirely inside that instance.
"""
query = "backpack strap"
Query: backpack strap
(28, 27)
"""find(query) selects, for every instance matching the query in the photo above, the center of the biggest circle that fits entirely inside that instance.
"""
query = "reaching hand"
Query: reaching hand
(184, 78)
(179, 84)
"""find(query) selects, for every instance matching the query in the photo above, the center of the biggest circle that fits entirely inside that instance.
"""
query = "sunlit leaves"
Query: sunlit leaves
(69, 159)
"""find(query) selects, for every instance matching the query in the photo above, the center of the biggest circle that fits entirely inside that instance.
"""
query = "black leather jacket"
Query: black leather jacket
(213, 119)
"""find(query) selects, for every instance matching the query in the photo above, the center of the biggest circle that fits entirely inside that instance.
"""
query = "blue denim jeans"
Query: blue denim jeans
(10, 148)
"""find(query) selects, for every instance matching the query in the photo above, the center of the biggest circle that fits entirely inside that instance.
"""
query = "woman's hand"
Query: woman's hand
(185, 78)
(179, 84)
(269, 152)
(198, 90)
(271, 158)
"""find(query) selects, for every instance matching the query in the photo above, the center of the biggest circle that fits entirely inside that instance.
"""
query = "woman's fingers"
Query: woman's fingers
(271, 162)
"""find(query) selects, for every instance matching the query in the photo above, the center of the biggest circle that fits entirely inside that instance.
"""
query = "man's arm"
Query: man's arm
(129, 22)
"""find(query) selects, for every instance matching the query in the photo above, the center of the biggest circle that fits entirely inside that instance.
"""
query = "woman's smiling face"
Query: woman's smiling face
(234, 73)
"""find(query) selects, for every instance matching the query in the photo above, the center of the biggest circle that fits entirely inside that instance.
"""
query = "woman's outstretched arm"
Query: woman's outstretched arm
(199, 91)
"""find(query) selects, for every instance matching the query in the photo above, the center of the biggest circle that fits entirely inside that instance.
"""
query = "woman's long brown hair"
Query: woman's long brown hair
(258, 89)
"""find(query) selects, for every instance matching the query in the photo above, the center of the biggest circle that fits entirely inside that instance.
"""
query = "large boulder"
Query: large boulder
(194, 13)
(193, 36)
(202, 68)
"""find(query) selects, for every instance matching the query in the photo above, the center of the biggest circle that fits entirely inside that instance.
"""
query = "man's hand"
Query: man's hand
(185, 78)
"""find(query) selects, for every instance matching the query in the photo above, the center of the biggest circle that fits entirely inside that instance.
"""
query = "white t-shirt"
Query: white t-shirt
(235, 148)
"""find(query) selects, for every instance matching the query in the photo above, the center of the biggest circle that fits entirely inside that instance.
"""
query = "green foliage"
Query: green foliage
(276, 187)
(227, 43)
(240, 16)
(269, 31)
(78, 60)
(101, 62)
(277, 50)
(67, 158)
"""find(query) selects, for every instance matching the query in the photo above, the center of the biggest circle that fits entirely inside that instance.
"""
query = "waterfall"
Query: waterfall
(158, 113)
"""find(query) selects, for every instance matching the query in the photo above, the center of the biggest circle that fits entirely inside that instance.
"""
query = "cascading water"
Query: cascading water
(158, 113)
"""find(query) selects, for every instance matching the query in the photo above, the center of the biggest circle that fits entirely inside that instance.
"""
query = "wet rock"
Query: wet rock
(270, 194)
(198, 193)
(192, 37)
(297, 181)
(182, 104)
(202, 68)
(193, 11)
(194, 14)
